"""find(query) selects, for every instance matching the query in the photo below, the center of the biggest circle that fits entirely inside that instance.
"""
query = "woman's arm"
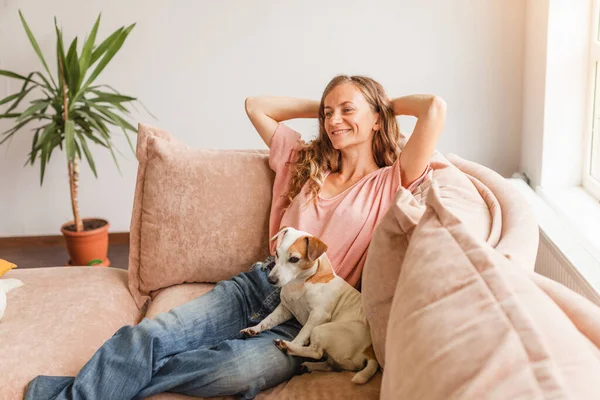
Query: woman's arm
(266, 112)
(431, 114)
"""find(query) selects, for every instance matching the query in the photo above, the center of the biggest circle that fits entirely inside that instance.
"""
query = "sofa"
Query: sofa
(192, 210)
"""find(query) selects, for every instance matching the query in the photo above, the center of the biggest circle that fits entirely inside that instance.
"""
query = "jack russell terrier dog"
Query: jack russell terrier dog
(329, 309)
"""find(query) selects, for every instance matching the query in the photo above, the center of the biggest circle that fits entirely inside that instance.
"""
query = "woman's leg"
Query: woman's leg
(124, 364)
(240, 367)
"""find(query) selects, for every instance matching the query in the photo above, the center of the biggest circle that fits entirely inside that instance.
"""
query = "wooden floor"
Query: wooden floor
(53, 256)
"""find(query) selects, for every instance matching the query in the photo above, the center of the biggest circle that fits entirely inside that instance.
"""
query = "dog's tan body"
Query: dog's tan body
(329, 309)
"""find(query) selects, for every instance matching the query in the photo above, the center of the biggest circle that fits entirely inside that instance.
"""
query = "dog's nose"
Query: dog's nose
(272, 280)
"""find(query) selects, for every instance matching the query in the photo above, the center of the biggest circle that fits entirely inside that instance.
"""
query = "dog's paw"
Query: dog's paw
(249, 332)
(281, 345)
(303, 369)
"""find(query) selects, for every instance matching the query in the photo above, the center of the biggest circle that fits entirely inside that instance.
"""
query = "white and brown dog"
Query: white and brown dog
(329, 309)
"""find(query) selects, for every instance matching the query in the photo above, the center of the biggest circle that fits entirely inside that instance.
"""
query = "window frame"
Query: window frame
(591, 184)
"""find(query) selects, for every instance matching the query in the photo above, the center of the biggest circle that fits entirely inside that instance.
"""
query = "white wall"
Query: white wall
(193, 63)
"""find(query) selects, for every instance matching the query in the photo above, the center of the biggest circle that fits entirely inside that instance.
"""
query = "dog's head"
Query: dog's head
(296, 253)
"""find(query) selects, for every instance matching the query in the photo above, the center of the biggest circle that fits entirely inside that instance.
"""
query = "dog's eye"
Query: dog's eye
(294, 260)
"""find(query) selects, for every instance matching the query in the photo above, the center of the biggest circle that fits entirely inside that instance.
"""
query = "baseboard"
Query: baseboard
(116, 238)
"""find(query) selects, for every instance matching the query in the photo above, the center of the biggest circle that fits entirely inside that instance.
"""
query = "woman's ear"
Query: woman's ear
(377, 125)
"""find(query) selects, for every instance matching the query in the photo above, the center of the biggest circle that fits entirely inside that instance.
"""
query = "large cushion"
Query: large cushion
(196, 217)
(57, 320)
(468, 323)
(465, 195)
(314, 386)
(519, 235)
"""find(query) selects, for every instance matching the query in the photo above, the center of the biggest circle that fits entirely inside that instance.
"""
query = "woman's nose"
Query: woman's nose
(336, 118)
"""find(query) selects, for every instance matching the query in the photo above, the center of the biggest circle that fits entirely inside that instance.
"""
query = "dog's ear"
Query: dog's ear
(314, 248)
(282, 231)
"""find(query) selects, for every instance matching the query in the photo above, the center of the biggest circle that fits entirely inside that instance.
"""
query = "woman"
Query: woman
(336, 187)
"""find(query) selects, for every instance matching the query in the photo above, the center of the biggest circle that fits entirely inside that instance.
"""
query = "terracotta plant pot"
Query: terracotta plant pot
(89, 247)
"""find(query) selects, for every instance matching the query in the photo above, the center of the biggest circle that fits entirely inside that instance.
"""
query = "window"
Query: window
(591, 172)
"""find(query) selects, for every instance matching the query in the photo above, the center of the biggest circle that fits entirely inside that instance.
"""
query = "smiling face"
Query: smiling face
(349, 119)
(295, 255)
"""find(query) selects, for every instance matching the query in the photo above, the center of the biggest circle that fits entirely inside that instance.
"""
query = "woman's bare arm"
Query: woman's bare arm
(265, 112)
(431, 115)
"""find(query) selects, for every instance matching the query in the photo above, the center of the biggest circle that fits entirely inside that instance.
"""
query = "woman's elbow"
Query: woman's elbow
(250, 104)
(438, 104)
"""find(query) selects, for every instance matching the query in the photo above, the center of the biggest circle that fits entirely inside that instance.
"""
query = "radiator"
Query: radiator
(562, 255)
(552, 263)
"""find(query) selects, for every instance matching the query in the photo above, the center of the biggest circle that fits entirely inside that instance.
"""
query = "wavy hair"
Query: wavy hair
(319, 156)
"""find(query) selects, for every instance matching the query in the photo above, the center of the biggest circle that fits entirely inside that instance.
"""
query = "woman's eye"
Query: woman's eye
(348, 110)
(294, 260)
(327, 114)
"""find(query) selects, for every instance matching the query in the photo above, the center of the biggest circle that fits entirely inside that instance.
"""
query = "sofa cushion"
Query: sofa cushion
(167, 298)
(314, 386)
(468, 323)
(519, 229)
(468, 198)
(196, 218)
(57, 320)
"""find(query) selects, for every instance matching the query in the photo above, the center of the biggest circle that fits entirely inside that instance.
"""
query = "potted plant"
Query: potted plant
(71, 113)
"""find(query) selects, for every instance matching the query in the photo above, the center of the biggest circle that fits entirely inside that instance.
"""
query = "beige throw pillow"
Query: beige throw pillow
(198, 215)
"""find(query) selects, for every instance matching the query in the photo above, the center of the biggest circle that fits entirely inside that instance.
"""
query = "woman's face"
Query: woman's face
(349, 119)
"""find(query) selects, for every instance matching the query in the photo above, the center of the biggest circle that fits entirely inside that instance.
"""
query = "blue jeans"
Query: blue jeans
(194, 349)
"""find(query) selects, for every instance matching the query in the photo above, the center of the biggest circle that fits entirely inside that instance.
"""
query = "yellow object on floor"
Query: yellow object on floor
(6, 266)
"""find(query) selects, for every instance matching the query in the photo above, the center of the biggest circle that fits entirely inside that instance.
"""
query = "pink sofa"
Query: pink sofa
(59, 318)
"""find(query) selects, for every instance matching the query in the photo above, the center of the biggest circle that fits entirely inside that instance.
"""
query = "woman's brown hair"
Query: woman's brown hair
(319, 155)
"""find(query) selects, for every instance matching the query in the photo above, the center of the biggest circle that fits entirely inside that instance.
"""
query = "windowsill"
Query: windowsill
(576, 232)
(571, 231)
(580, 209)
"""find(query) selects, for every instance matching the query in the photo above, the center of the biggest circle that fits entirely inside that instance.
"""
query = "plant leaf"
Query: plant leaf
(70, 140)
(87, 153)
(97, 53)
(35, 45)
(8, 115)
(46, 84)
(73, 67)
(117, 92)
(50, 131)
(86, 52)
(12, 75)
(110, 97)
(22, 95)
(10, 132)
(43, 162)
(129, 141)
(112, 49)
(10, 98)
(60, 56)
(33, 152)
(112, 153)
(35, 107)
(115, 119)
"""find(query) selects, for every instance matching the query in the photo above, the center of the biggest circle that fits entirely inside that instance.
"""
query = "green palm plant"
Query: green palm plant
(71, 111)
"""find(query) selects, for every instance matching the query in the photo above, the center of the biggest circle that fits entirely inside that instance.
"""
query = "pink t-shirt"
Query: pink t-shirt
(344, 222)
